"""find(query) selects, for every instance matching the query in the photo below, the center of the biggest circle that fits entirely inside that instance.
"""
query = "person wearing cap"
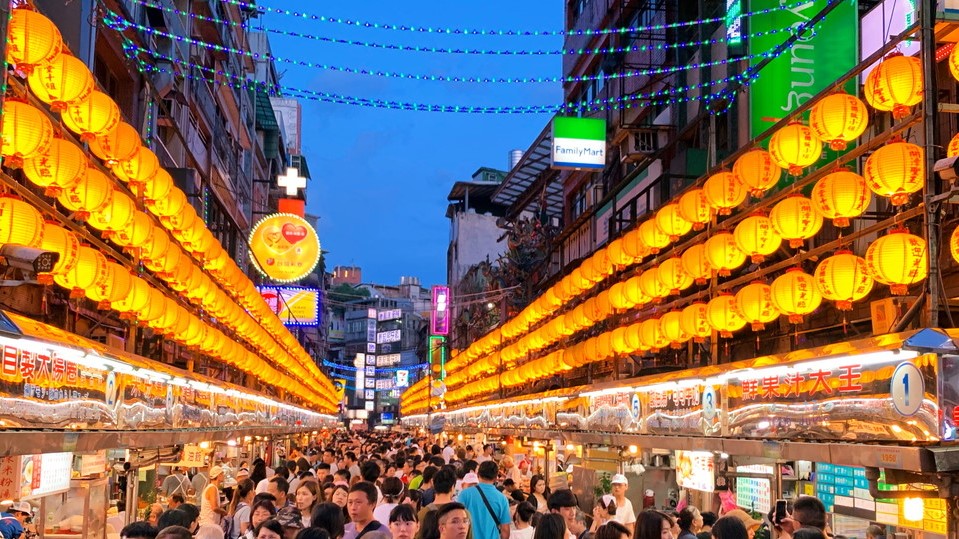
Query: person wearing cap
(210, 509)
(624, 508)
(604, 511)
(291, 520)
(13, 519)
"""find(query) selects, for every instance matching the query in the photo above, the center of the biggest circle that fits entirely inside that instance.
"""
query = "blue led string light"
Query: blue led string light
(116, 22)
(487, 32)
(613, 103)
(451, 50)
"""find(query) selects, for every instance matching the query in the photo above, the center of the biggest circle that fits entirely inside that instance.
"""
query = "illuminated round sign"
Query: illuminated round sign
(284, 247)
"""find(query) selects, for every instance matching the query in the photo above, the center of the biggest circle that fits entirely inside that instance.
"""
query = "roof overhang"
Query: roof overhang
(525, 183)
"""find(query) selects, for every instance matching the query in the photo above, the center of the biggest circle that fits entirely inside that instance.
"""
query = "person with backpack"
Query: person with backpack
(238, 514)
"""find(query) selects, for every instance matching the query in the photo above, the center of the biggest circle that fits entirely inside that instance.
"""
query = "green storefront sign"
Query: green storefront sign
(814, 62)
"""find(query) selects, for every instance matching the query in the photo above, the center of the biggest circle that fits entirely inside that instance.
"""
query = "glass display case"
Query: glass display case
(79, 512)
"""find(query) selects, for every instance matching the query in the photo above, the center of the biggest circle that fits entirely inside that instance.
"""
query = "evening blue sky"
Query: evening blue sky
(380, 177)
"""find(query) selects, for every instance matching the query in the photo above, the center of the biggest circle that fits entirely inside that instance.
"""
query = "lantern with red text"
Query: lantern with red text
(838, 119)
(95, 115)
(20, 223)
(653, 237)
(757, 171)
(61, 81)
(841, 196)
(25, 132)
(756, 237)
(723, 254)
(696, 264)
(754, 302)
(669, 219)
(795, 219)
(722, 315)
(724, 191)
(898, 259)
(795, 147)
(695, 322)
(895, 85)
(117, 144)
(92, 193)
(695, 208)
(114, 286)
(91, 268)
(671, 325)
(895, 171)
(61, 241)
(843, 278)
(674, 276)
(652, 286)
(31, 39)
(59, 167)
(795, 294)
(652, 336)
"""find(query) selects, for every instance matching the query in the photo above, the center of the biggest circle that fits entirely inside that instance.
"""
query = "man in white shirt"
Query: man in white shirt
(624, 508)
(448, 452)
(487, 454)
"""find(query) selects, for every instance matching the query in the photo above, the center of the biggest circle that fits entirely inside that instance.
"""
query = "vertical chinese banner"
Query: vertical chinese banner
(9, 478)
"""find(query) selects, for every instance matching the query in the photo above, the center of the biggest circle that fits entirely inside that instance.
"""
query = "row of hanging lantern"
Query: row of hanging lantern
(894, 171)
(59, 166)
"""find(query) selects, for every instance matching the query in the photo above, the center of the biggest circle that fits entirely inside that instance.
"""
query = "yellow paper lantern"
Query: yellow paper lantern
(756, 237)
(155, 248)
(841, 196)
(671, 326)
(696, 264)
(795, 294)
(91, 268)
(64, 242)
(722, 315)
(633, 338)
(671, 222)
(651, 335)
(634, 292)
(117, 144)
(843, 278)
(952, 149)
(634, 246)
(169, 205)
(724, 191)
(838, 119)
(617, 255)
(31, 39)
(61, 81)
(693, 321)
(92, 193)
(674, 276)
(795, 219)
(757, 170)
(895, 171)
(601, 264)
(115, 216)
(183, 220)
(20, 223)
(898, 259)
(652, 236)
(60, 166)
(754, 302)
(652, 286)
(135, 301)
(723, 254)
(895, 85)
(138, 168)
(695, 208)
(114, 286)
(25, 132)
(135, 234)
(95, 115)
(618, 341)
(795, 147)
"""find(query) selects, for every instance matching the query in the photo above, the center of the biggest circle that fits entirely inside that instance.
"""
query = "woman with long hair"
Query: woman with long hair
(258, 473)
(330, 517)
(308, 494)
(239, 509)
(538, 493)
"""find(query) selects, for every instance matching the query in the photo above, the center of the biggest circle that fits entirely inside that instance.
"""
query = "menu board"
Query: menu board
(42, 475)
(753, 493)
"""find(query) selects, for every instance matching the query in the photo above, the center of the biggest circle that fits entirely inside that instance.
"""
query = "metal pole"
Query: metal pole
(930, 108)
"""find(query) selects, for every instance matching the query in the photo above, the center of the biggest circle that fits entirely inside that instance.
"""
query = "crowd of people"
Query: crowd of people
(387, 488)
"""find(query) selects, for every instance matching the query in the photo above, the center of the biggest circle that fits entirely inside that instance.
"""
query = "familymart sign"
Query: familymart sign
(579, 143)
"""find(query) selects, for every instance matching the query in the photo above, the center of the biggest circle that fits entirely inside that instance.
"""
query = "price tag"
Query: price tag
(907, 389)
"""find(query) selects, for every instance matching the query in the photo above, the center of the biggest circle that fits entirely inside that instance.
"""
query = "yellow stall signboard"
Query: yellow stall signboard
(284, 247)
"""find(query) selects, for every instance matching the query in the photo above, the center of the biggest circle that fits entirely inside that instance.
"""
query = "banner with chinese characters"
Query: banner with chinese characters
(696, 470)
(614, 412)
(878, 396)
(682, 409)
(146, 404)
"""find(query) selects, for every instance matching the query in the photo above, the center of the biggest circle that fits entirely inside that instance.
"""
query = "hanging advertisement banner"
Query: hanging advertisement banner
(696, 470)
(440, 313)
(284, 247)
(295, 306)
(813, 62)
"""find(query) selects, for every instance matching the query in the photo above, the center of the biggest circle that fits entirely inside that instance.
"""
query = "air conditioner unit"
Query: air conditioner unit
(638, 146)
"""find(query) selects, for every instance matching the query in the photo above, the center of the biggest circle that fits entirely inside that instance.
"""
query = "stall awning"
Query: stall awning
(533, 171)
